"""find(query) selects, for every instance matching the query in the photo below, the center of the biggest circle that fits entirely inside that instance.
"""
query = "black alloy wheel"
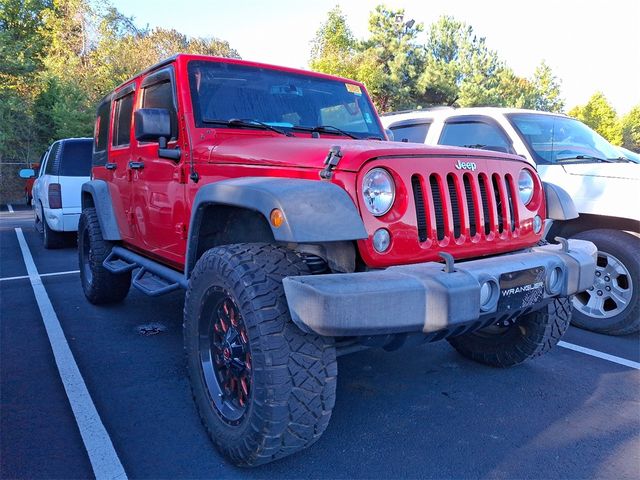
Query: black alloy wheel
(225, 356)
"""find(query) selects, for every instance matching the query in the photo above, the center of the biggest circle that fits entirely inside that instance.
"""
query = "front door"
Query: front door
(158, 201)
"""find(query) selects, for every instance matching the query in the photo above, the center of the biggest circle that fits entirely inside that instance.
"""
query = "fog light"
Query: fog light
(554, 282)
(488, 295)
(537, 224)
(381, 240)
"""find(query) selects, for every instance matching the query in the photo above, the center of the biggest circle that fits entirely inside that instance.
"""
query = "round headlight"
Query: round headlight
(525, 186)
(378, 191)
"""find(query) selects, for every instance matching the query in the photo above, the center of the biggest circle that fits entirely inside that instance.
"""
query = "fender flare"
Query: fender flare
(314, 211)
(560, 205)
(98, 190)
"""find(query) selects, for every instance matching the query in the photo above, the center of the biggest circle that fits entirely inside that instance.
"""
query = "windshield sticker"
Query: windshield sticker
(355, 89)
(367, 118)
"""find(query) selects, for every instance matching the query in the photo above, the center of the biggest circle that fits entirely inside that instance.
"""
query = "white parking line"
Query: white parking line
(52, 274)
(103, 457)
(604, 356)
(10, 208)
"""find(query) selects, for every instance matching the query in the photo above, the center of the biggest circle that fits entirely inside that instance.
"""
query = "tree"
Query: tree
(630, 125)
(334, 48)
(546, 90)
(601, 116)
(459, 68)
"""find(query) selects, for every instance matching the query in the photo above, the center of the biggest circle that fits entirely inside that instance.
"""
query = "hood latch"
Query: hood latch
(331, 162)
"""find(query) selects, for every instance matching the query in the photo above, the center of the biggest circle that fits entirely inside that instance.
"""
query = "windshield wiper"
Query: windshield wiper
(326, 129)
(477, 145)
(584, 157)
(246, 122)
(620, 159)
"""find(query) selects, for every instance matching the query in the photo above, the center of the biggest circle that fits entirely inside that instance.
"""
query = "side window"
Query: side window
(122, 120)
(52, 160)
(101, 130)
(414, 133)
(474, 134)
(160, 95)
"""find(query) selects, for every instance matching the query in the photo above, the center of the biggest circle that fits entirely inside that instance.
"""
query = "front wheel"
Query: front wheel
(263, 388)
(611, 305)
(530, 336)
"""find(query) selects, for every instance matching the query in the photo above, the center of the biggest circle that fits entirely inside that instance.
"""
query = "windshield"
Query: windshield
(288, 101)
(556, 139)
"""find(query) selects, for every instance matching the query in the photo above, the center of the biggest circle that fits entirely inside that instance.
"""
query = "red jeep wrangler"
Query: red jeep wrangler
(299, 233)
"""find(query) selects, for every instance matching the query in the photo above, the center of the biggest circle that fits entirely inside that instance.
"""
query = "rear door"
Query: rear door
(159, 183)
(119, 156)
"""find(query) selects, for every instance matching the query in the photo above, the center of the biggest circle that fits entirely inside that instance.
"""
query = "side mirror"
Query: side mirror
(27, 173)
(390, 135)
(151, 124)
(154, 125)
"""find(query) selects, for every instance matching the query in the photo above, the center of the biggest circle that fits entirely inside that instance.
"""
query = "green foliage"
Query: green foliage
(454, 67)
(59, 57)
(601, 116)
(630, 125)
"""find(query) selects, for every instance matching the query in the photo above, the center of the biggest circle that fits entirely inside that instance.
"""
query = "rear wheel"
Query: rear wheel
(99, 284)
(611, 305)
(530, 336)
(51, 238)
(264, 389)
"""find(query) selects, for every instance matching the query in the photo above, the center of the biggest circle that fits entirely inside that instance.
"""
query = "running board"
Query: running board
(152, 278)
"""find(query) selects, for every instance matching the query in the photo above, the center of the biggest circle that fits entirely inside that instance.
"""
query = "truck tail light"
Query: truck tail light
(55, 195)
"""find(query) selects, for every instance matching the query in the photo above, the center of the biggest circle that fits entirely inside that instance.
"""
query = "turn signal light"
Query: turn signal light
(276, 217)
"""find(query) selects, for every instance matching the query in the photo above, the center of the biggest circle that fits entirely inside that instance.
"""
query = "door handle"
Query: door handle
(136, 165)
(110, 166)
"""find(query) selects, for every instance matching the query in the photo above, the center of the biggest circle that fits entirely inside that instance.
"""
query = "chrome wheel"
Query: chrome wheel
(611, 292)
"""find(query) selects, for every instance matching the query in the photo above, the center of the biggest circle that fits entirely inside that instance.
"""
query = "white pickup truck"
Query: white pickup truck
(604, 185)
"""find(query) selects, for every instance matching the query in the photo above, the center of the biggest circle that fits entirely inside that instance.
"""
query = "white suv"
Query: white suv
(604, 185)
(56, 192)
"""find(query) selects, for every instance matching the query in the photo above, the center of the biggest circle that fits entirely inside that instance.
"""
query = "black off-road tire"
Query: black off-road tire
(50, 238)
(293, 374)
(100, 286)
(624, 248)
(532, 335)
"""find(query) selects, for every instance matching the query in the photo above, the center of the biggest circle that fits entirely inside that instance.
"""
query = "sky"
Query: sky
(590, 45)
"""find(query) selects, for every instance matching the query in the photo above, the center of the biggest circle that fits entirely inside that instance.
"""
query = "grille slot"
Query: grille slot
(455, 205)
(495, 180)
(471, 206)
(485, 204)
(437, 206)
(421, 216)
(511, 198)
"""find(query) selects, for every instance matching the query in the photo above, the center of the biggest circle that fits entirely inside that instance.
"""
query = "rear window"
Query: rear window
(414, 133)
(101, 131)
(75, 160)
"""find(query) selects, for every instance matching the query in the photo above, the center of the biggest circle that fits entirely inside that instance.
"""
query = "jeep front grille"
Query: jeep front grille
(464, 205)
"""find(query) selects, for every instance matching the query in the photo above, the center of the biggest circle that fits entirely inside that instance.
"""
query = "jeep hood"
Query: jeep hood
(305, 152)
(629, 170)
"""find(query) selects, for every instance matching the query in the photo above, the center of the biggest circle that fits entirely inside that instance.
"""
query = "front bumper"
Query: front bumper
(423, 297)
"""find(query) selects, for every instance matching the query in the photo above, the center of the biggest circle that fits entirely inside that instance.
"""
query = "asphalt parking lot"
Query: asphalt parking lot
(421, 412)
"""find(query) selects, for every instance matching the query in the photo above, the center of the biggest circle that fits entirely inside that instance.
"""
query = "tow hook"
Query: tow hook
(449, 262)
(564, 242)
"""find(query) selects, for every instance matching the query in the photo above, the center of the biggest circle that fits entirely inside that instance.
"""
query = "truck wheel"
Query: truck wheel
(532, 335)
(611, 306)
(51, 238)
(264, 389)
(99, 284)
